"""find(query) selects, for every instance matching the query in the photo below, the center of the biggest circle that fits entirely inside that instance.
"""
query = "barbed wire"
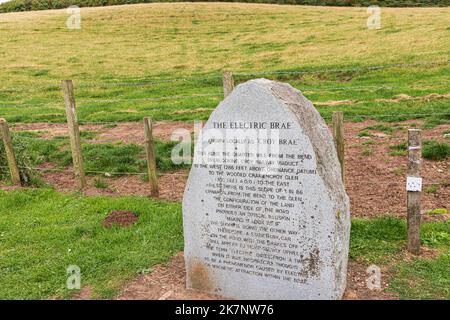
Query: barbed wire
(143, 80)
(39, 139)
(349, 182)
(373, 87)
(66, 138)
(82, 102)
(154, 99)
(355, 69)
(237, 73)
(325, 117)
(400, 115)
(173, 98)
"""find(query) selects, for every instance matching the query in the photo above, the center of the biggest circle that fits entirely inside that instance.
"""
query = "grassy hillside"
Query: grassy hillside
(26, 5)
(166, 60)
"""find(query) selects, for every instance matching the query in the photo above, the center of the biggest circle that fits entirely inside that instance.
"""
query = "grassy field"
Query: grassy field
(168, 62)
(42, 232)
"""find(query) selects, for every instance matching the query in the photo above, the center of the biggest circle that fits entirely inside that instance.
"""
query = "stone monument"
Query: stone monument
(265, 212)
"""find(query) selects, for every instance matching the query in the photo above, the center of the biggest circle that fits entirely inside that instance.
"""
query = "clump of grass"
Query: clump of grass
(115, 158)
(381, 128)
(367, 152)
(88, 134)
(398, 149)
(437, 211)
(100, 183)
(25, 158)
(433, 188)
(435, 150)
(364, 133)
(368, 142)
(398, 171)
(434, 121)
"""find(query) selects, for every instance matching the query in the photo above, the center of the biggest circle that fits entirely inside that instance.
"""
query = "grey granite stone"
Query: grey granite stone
(265, 212)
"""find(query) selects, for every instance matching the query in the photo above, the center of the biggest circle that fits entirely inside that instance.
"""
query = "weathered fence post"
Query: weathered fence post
(338, 135)
(151, 157)
(12, 164)
(228, 83)
(414, 190)
(74, 132)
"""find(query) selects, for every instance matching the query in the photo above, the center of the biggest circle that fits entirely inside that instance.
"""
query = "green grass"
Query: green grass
(430, 279)
(382, 241)
(378, 240)
(114, 158)
(435, 150)
(121, 76)
(437, 211)
(43, 232)
(100, 183)
(432, 188)
(366, 152)
(399, 149)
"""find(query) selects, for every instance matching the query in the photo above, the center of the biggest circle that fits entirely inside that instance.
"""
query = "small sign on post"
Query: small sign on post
(74, 132)
(151, 157)
(414, 189)
(10, 156)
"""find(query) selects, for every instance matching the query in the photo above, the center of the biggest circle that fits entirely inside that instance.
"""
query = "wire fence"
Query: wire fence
(153, 80)
(180, 98)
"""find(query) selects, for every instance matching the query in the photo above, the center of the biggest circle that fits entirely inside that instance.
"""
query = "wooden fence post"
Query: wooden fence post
(151, 157)
(228, 83)
(74, 132)
(338, 135)
(12, 164)
(414, 190)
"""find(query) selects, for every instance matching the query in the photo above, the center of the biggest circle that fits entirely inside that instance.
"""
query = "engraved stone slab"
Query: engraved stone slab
(265, 212)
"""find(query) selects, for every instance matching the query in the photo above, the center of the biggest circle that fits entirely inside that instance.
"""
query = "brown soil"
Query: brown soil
(357, 287)
(84, 294)
(333, 103)
(120, 218)
(375, 181)
(171, 185)
(127, 132)
(405, 97)
(168, 282)
(164, 282)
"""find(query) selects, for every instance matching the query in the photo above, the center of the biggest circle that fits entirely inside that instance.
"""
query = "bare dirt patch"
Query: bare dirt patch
(171, 185)
(168, 282)
(120, 218)
(375, 180)
(332, 103)
(357, 288)
(405, 97)
(164, 282)
(126, 132)
(84, 294)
